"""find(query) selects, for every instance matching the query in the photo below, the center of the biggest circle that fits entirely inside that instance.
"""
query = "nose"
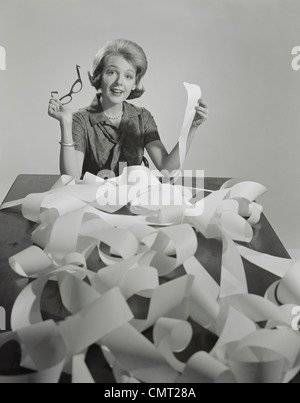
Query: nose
(120, 80)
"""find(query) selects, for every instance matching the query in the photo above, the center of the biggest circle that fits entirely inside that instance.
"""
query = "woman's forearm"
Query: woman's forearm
(68, 160)
(172, 161)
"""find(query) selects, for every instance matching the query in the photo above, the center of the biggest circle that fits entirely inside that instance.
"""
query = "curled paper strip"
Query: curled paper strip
(148, 248)
(194, 94)
(171, 335)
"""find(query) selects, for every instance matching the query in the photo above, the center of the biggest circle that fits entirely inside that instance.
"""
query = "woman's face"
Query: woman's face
(118, 80)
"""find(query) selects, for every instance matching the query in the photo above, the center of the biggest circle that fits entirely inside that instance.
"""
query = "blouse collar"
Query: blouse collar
(98, 116)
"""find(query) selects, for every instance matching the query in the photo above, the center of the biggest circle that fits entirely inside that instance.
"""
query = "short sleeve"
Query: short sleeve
(79, 132)
(150, 128)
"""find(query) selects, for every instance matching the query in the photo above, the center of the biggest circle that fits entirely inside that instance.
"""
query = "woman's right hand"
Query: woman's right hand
(57, 111)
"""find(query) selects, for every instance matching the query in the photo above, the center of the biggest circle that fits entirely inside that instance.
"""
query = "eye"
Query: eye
(129, 77)
(110, 72)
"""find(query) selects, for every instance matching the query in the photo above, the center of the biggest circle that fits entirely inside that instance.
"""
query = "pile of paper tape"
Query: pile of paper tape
(140, 249)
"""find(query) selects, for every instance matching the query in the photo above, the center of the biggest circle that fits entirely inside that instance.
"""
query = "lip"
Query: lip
(117, 91)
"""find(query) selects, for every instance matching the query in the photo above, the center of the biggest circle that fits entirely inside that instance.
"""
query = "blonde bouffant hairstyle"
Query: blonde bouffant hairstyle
(131, 52)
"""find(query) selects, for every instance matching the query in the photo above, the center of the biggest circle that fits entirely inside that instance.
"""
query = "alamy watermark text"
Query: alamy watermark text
(296, 58)
(2, 58)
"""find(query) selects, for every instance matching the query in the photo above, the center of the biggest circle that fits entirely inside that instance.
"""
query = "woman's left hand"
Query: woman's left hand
(201, 113)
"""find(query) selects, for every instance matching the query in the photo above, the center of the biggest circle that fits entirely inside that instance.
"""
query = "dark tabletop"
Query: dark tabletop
(15, 236)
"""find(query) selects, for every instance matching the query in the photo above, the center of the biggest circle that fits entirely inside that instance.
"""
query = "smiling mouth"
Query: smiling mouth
(116, 91)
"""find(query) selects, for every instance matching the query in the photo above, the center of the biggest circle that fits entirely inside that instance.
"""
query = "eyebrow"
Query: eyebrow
(116, 67)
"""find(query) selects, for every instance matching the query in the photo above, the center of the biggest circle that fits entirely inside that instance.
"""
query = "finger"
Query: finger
(202, 103)
(53, 92)
(197, 123)
(55, 102)
(54, 99)
(200, 109)
(201, 116)
(52, 108)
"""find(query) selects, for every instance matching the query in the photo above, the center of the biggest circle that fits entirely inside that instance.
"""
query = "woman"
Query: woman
(111, 133)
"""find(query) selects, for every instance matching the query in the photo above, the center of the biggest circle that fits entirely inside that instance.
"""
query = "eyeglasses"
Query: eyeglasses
(76, 87)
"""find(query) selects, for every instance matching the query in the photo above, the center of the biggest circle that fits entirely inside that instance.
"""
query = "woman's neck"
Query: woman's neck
(110, 108)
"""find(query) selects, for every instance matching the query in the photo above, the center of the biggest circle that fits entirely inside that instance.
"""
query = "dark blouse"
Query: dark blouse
(105, 145)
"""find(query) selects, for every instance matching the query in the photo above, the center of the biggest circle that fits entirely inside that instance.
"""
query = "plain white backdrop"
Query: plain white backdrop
(238, 51)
